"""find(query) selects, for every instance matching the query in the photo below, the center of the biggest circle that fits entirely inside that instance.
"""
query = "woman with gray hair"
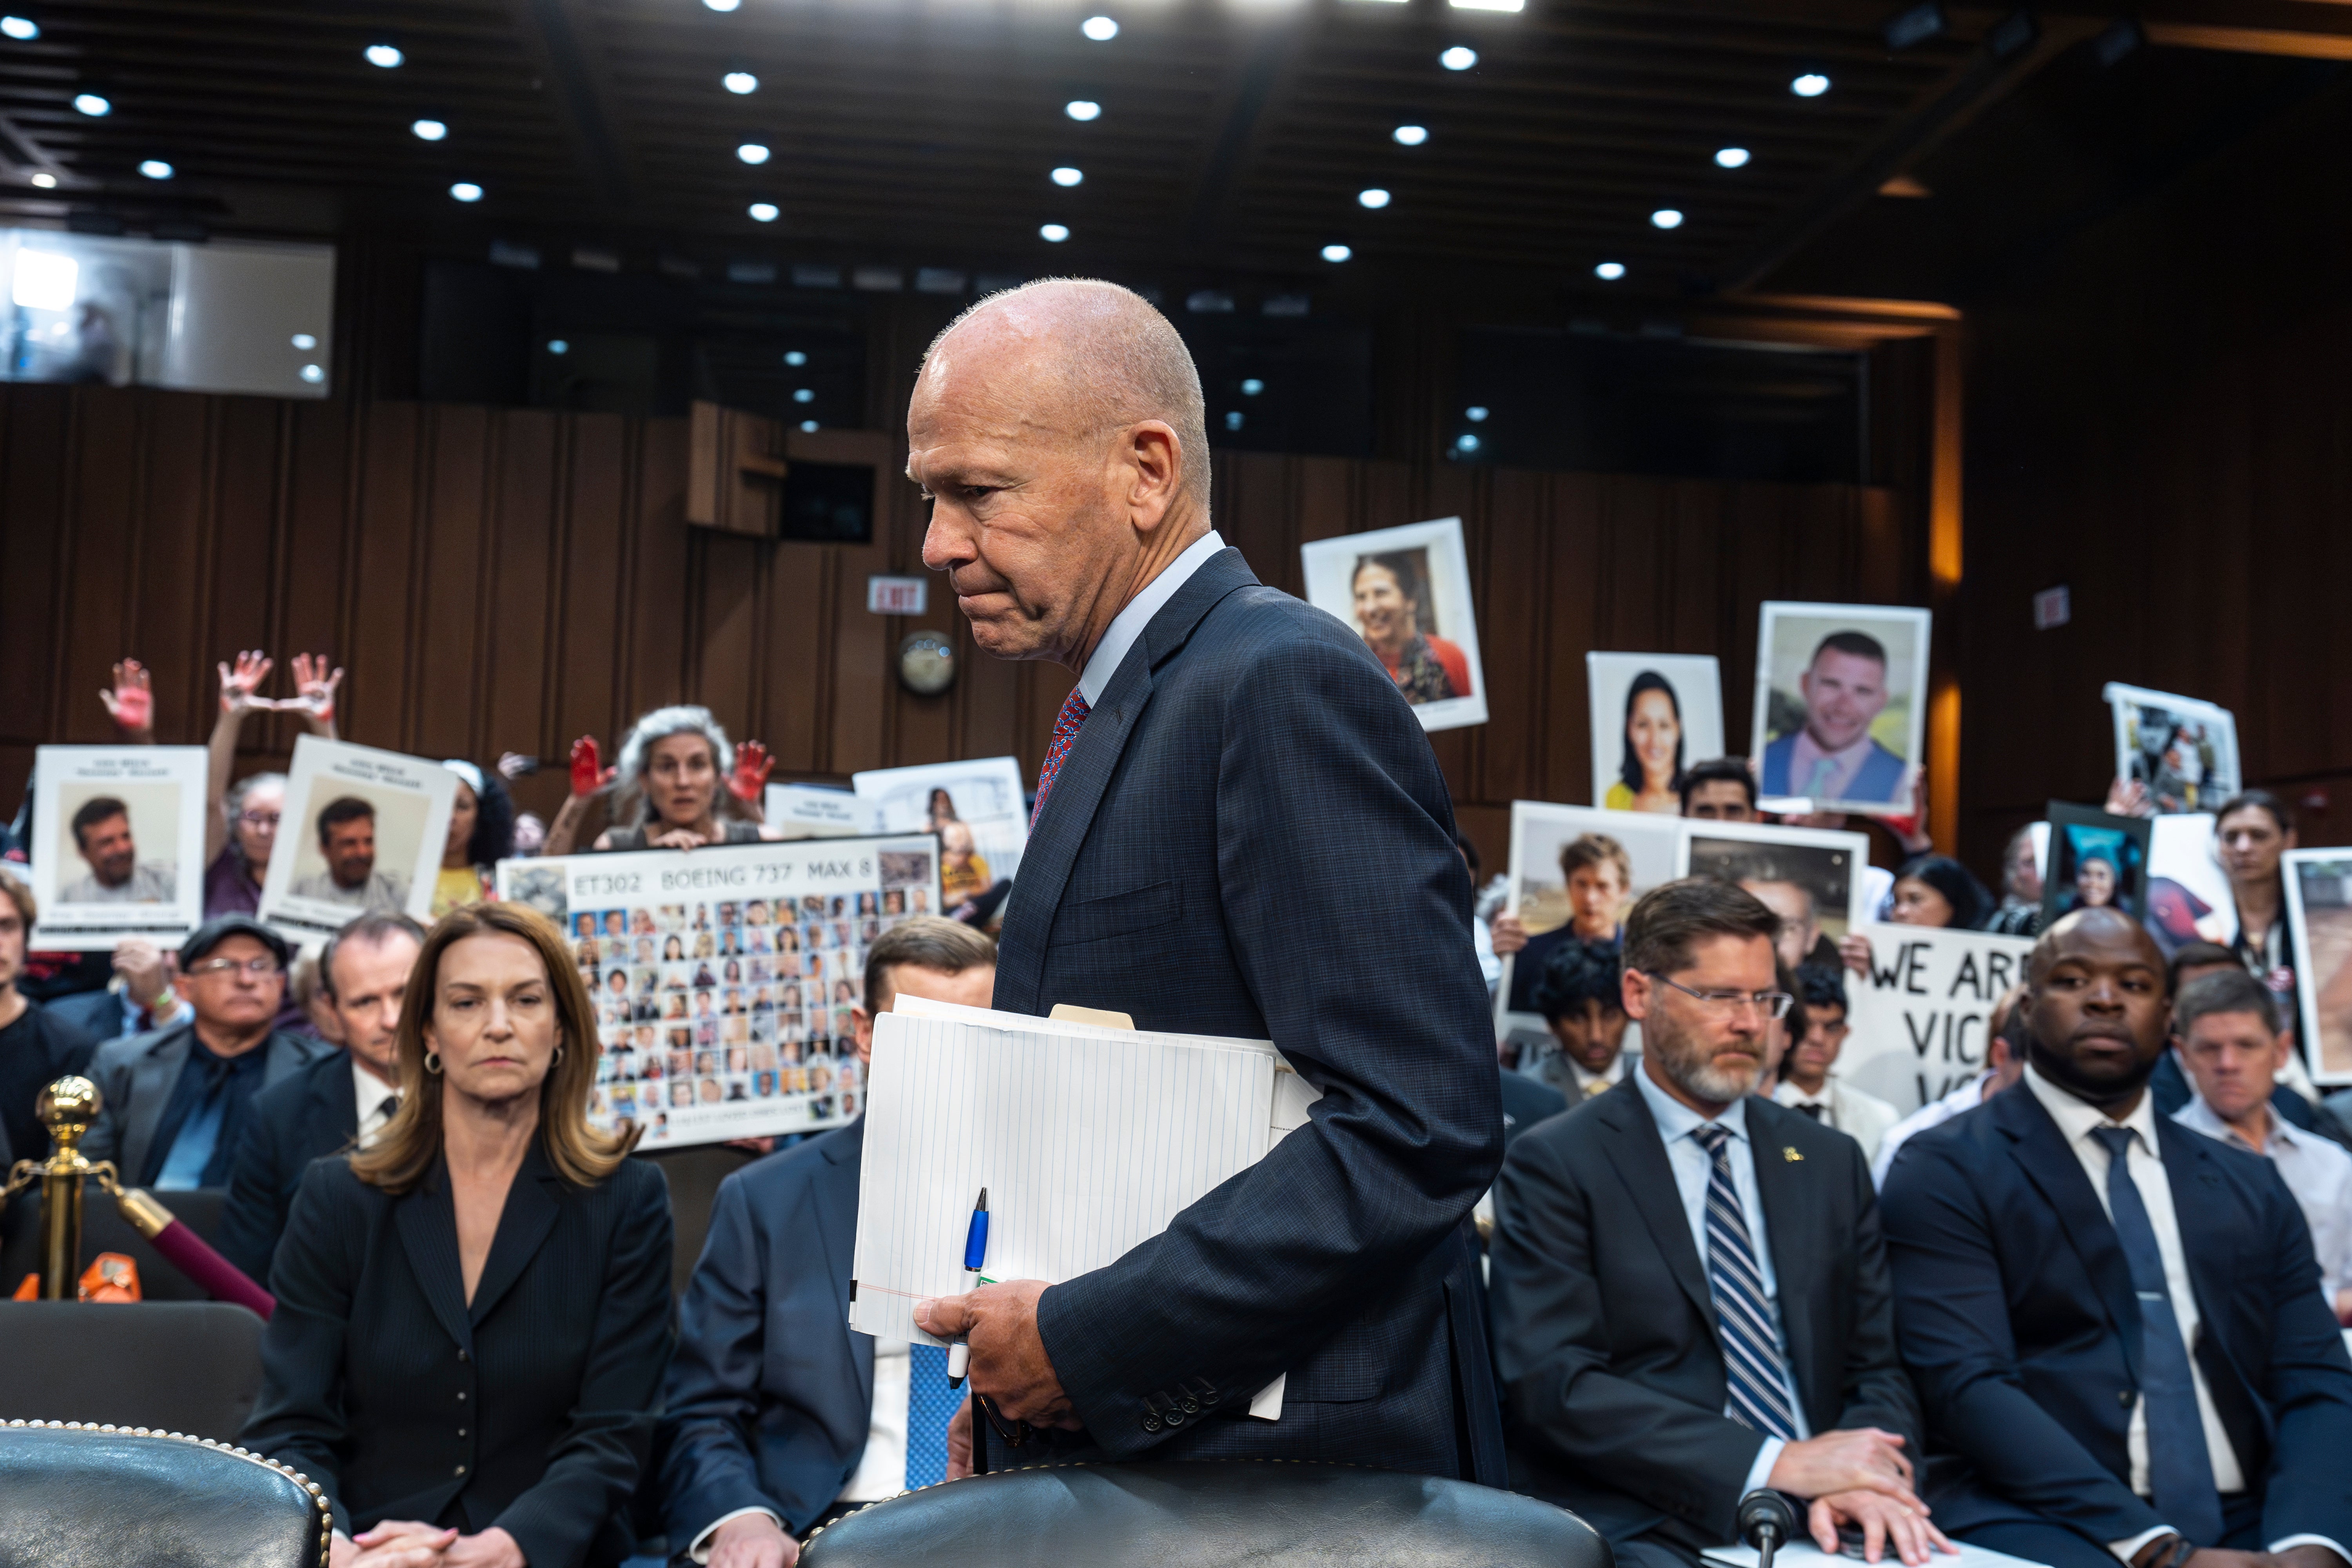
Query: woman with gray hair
(675, 774)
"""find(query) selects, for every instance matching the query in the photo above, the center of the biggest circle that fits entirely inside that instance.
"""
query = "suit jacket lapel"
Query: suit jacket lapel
(1638, 1155)
(428, 1233)
(2197, 1209)
(2040, 1149)
(523, 1226)
(834, 1194)
(1085, 772)
(1792, 1226)
(151, 1089)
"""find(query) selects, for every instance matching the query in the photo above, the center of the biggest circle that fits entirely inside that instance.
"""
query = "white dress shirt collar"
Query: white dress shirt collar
(2076, 1118)
(2200, 1117)
(1127, 626)
(369, 1093)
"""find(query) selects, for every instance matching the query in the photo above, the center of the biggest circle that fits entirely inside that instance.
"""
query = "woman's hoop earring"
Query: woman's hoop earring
(433, 1062)
(559, 1057)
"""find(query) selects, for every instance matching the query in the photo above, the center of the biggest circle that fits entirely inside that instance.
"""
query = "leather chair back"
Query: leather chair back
(81, 1496)
(170, 1366)
(1209, 1514)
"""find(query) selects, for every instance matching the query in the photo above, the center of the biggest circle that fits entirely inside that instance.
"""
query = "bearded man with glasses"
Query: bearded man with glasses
(177, 1100)
(1690, 1290)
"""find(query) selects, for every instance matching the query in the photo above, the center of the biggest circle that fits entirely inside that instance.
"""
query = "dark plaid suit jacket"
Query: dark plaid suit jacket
(1251, 838)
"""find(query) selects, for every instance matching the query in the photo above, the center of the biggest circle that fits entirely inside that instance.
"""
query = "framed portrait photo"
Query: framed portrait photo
(1809, 877)
(1406, 592)
(1841, 707)
(363, 834)
(1575, 872)
(118, 845)
(2182, 751)
(2094, 859)
(1653, 715)
(2319, 912)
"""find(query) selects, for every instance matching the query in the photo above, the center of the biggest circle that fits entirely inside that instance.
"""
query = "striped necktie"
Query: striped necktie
(1067, 724)
(1756, 1375)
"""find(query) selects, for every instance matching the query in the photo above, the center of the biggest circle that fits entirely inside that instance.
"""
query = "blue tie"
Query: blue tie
(2179, 1470)
(1755, 1372)
(930, 1404)
(192, 1151)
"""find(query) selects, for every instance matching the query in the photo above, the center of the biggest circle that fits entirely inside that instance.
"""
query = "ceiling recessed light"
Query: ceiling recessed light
(1489, 4)
(1067, 176)
(805, 394)
(795, 358)
(1458, 59)
(383, 55)
(24, 29)
(753, 152)
(739, 82)
(764, 212)
(91, 104)
(1232, 419)
(1467, 442)
(722, 5)
(305, 341)
(1609, 271)
(1375, 198)
(467, 191)
(1337, 252)
(1813, 84)
(809, 427)
(1083, 109)
(428, 129)
(1252, 387)
(1667, 217)
(559, 346)
(1409, 135)
(46, 180)
(1731, 157)
(156, 169)
(1101, 29)
(1052, 232)
(313, 373)
(1474, 413)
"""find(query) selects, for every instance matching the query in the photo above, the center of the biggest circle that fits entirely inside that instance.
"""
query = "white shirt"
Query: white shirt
(1490, 967)
(1128, 624)
(1864, 1118)
(369, 1092)
(882, 1470)
(1935, 1114)
(2319, 1174)
(1692, 1167)
(1586, 1082)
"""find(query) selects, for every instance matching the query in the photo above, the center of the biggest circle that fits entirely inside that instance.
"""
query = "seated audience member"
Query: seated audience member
(177, 1100)
(677, 773)
(1690, 1293)
(243, 828)
(778, 1418)
(2112, 1321)
(2226, 1034)
(1722, 790)
(1596, 874)
(1583, 1004)
(36, 1050)
(1806, 1086)
(343, 1100)
(2170, 1084)
(1937, 890)
(481, 834)
(346, 840)
(2021, 887)
(473, 1312)
(102, 836)
(2004, 1064)
(1802, 938)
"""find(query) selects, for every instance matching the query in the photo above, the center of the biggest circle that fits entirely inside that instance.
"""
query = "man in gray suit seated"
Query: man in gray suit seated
(175, 1100)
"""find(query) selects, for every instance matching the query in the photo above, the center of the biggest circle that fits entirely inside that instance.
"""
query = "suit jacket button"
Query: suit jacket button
(1175, 1417)
(2124, 1396)
(1192, 1406)
(1151, 1423)
(463, 1356)
(461, 1469)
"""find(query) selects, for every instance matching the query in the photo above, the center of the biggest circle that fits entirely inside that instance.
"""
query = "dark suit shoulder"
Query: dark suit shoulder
(1772, 1125)
(1257, 622)
(1552, 1138)
(308, 1048)
(634, 1183)
(1527, 1101)
(774, 1179)
(325, 1074)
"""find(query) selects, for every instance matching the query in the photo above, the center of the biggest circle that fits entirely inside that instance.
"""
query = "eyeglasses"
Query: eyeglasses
(1771, 1004)
(259, 968)
(257, 818)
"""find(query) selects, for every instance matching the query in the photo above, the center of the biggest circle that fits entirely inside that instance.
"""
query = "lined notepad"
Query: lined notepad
(1089, 1140)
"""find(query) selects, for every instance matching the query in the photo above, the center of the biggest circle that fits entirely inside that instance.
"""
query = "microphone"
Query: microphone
(1766, 1524)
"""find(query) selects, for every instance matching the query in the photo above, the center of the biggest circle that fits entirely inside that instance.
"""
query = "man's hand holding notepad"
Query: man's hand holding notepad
(1089, 1139)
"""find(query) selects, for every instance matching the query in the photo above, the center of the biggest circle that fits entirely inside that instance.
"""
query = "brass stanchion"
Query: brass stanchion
(66, 1108)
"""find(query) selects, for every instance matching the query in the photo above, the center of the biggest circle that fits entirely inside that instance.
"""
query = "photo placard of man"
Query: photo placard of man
(347, 839)
(1833, 757)
(101, 832)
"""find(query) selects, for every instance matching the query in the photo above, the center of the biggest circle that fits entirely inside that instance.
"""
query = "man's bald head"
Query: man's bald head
(2095, 995)
(1108, 357)
(1057, 430)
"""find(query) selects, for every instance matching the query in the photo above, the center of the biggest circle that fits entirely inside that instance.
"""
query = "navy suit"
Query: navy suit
(1250, 837)
(1880, 776)
(770, 1394)
(2016, 1315)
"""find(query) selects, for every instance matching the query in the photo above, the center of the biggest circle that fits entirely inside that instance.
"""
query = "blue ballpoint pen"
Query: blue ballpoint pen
(975, 1253)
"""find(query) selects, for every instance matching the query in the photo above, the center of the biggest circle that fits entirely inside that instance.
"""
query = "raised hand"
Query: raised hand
(588, 772)
(240, 686)
(315, 689)
(753, 766)
(513, 766)
(132, 701)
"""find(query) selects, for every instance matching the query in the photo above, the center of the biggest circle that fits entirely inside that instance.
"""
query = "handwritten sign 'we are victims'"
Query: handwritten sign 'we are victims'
(1921, 1018)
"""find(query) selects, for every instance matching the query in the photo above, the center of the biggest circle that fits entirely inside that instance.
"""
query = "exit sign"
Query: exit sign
(898, 595)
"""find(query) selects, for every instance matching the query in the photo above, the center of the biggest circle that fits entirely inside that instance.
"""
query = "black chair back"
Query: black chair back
(693, 1176)
(84, 1496)
(1210, 1514)
(103, 1229)
(170, 1366)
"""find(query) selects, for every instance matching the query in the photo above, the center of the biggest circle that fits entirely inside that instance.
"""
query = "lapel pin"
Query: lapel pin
(1789, 1152)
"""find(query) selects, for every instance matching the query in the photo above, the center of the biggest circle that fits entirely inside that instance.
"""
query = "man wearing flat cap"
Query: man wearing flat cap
(176, 1099)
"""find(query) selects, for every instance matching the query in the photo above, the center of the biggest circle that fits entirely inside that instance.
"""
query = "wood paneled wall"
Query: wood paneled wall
(504, 580)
